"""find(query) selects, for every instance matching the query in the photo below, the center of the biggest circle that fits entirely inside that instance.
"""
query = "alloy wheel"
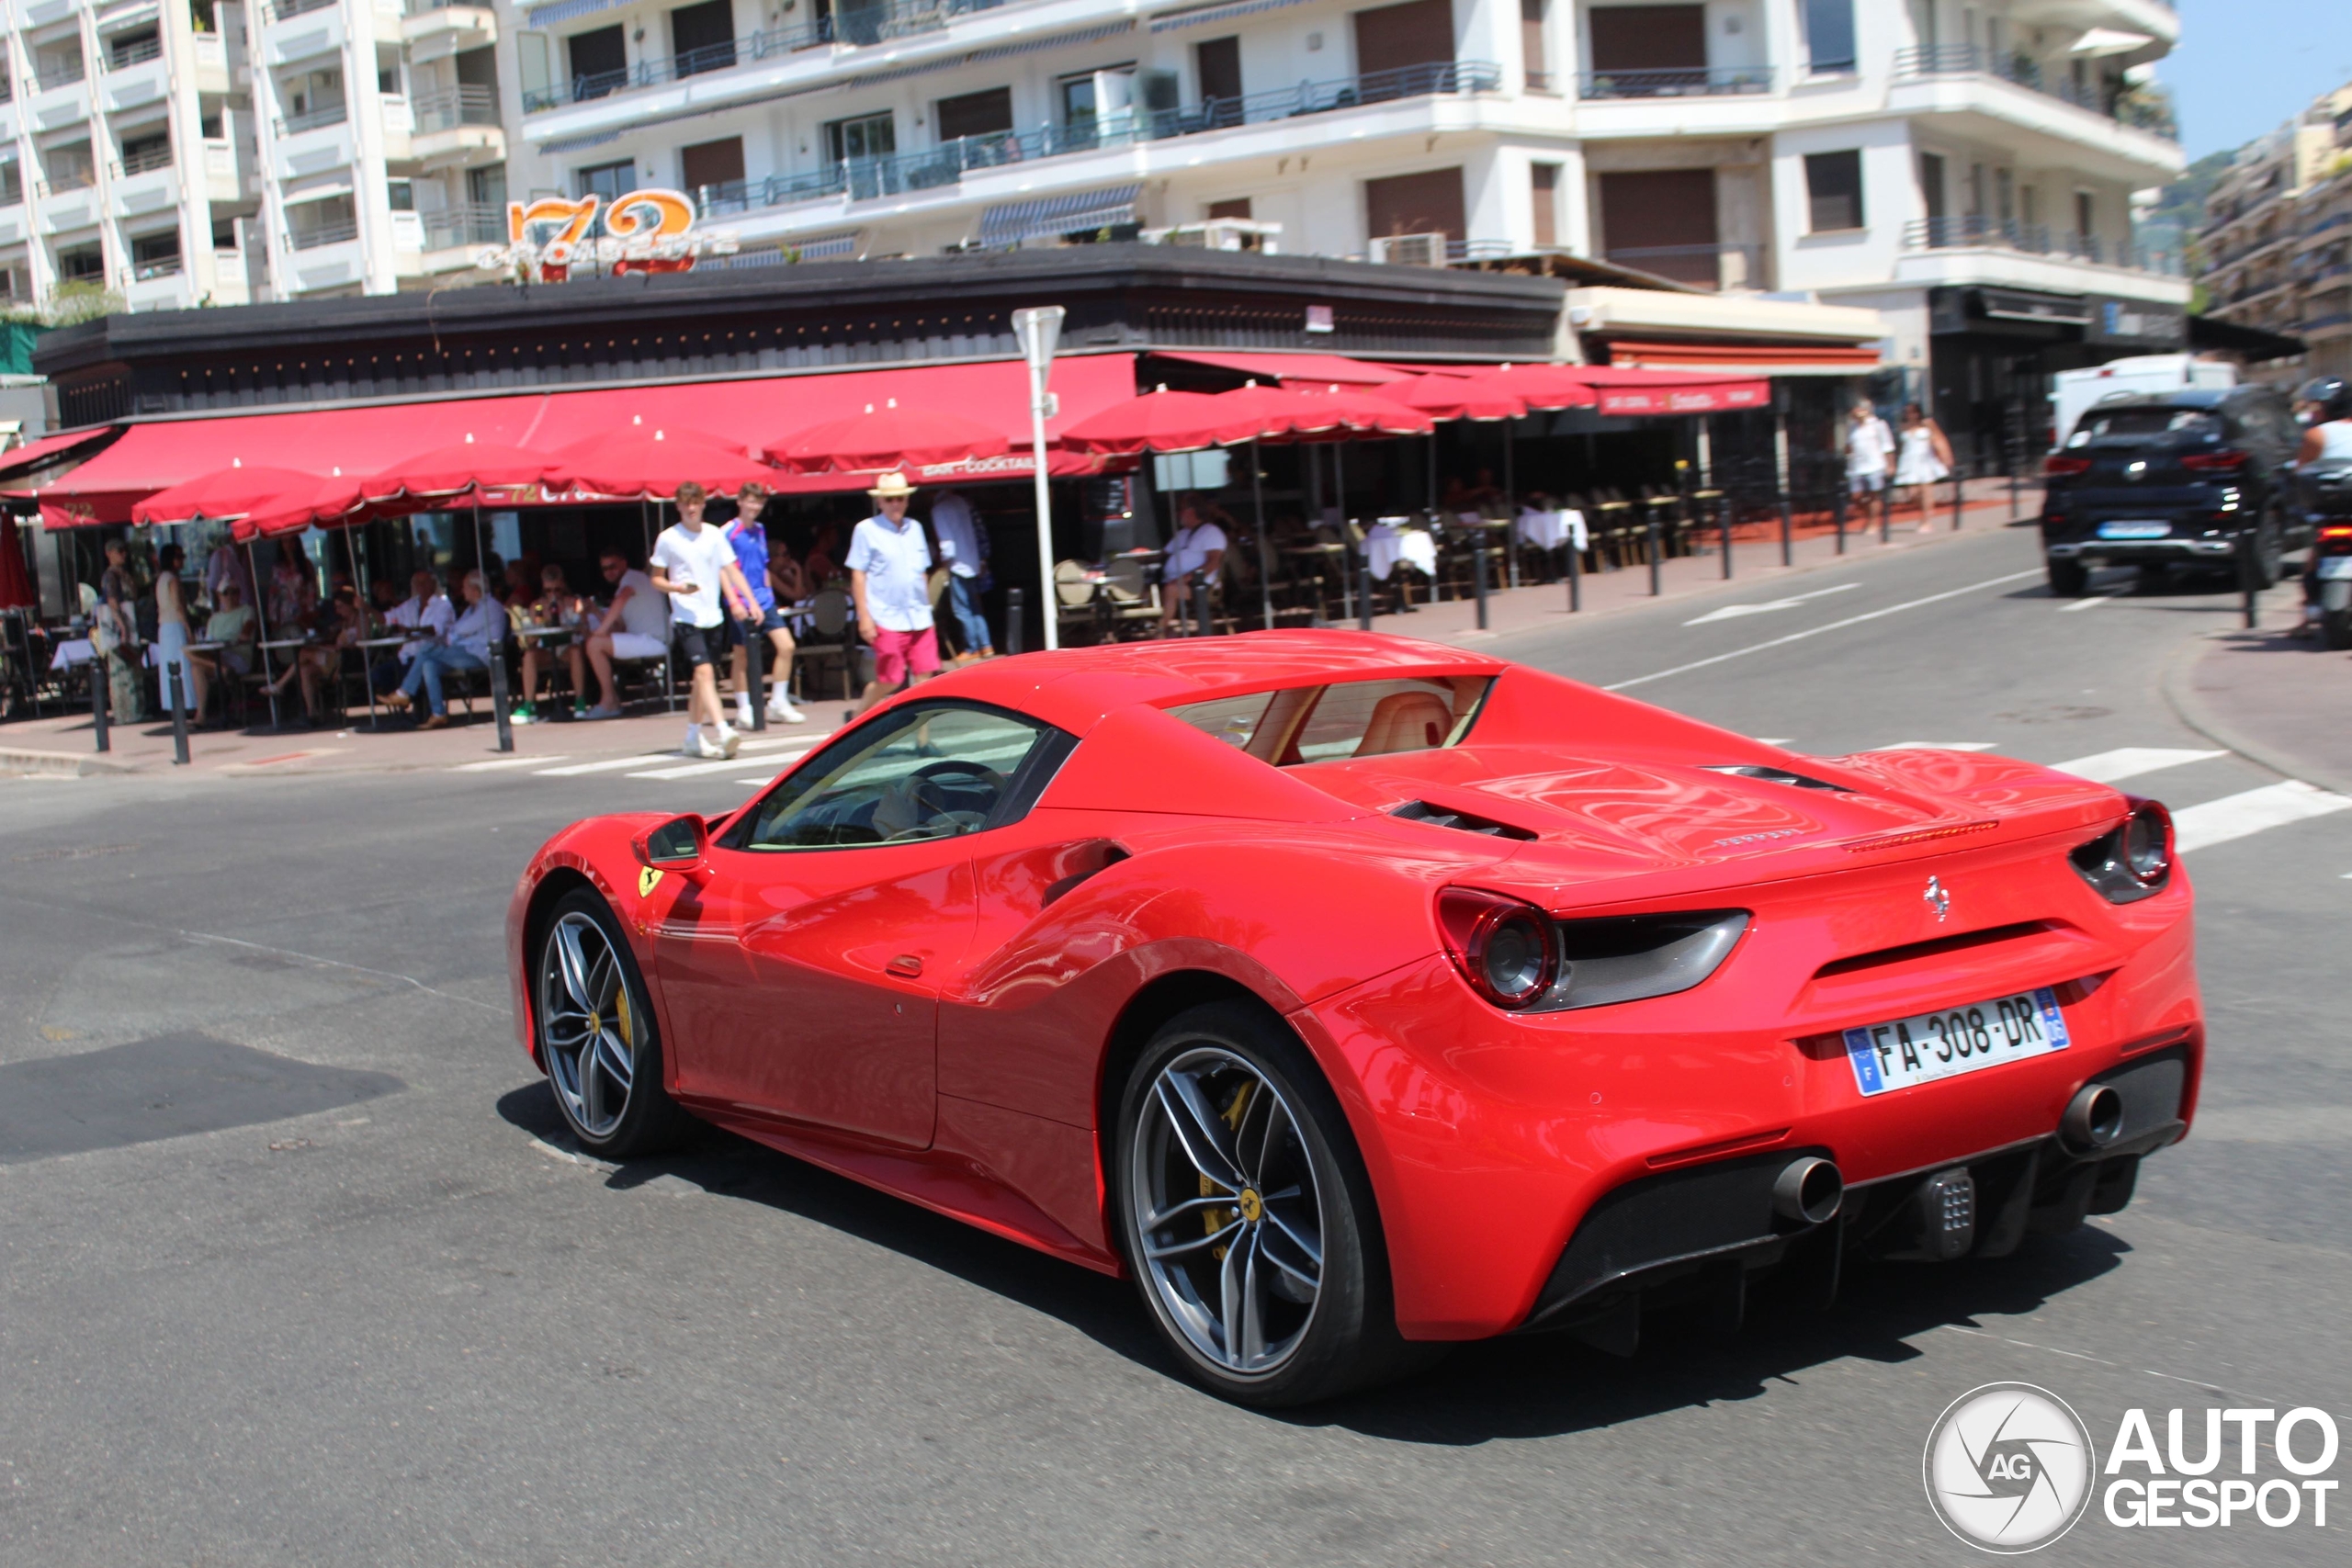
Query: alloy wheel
(590, 1031)
(1228, 1210)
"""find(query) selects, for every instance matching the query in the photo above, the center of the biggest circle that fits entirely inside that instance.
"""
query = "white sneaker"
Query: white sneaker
(783, 711)
(743, 711)
(710, 750)
(729, 741)
(692, 746)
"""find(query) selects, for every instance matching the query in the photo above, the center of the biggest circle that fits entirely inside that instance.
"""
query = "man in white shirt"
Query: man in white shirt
(1199, 546)
(472, 637)
(889, 579)
(964, 547)
(635, 625)
(694, 565)
(427, 611)
(1870, 450)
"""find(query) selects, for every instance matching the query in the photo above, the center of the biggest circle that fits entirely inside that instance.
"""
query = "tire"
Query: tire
(1304, 1327)
(2336, 630)
(2069, 580)
(596, 1035)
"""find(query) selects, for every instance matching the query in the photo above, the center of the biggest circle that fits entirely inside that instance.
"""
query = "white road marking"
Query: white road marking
(690, 771)
(751, 749)
(1818, 631)
(2131, 762)
(1782, 740)
(770, 779)
(2235, 816)
(1937, 746)
(501, 763)
(610, 764)
(2090, 604)
(1764, 607)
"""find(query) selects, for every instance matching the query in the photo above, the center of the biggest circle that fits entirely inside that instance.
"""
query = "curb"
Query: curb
(2198, 715)
(60, 764)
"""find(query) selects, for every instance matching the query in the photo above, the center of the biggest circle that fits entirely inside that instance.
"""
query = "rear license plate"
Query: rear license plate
(1959, 1040)
(2334, 568)
(2134, 530)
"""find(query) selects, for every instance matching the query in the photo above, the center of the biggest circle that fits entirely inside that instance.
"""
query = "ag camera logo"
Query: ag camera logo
(2008, 1467)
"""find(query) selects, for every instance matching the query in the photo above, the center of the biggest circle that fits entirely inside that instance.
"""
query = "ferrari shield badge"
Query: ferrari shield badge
(647, 881)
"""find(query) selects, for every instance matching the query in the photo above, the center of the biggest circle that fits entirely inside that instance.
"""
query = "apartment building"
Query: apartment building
(2277, 241)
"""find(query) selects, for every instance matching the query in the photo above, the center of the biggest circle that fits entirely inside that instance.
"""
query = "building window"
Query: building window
(1415, 204)
(12, 183)
(1235, 206)
(208, 126)
(81, 263)
(311, 224)
(702, 37)
(134, 49)
(1932, 193)
(611, 181)
(1829, 35)
(1218, 63)
(1662, 222)
(599, 61)
(1833, 183)
(1543, 190)
(1535, 57)
(155, 256)
(867, 136)
(401, 195)
(70, 167)
(712, 172)
(974, 114)
(2085, 214)
(148, 150)
(1640, 51)
(487, 187)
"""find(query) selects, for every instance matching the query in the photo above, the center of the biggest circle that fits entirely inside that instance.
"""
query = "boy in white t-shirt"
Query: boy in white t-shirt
(694, 565)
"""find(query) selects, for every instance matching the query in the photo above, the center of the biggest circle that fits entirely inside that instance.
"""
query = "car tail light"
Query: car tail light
(2224, 458)
(2059, 464)
(2336, 532)
(1504, 947)
(2133, 861)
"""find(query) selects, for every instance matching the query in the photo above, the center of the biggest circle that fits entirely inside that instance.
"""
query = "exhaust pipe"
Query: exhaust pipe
(2094, 1119)
(1808, 1191)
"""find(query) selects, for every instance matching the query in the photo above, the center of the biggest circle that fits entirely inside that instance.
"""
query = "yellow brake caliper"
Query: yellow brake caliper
(1218, 1218)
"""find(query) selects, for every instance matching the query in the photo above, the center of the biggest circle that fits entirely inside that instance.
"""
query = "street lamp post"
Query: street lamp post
(1039, 328)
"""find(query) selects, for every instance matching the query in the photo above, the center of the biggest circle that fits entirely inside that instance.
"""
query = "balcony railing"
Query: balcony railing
(2035, 239)
(313, 120)
(317, 234)
(137, 52)
(72, 180)
(2119, 101)
(162, 267)
(477, 223)
(427, 8)
(2333, 319)
(286, 10)
(59, 72)
(942, 167)
(469, 103)
(158, 156)
(847, 24)
(1692, 81)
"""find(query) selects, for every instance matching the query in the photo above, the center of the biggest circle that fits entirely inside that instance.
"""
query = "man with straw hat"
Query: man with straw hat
(889, 577)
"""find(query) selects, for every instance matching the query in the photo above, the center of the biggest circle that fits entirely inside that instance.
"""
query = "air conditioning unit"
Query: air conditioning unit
(1410, 250)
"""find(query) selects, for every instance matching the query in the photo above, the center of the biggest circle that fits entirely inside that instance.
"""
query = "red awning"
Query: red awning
(1308, 367)
(151, 457)
(51, 449)
(1761, 359)
(1634, 392)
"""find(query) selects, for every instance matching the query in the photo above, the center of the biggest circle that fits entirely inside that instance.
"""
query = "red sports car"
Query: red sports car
(1355, 994)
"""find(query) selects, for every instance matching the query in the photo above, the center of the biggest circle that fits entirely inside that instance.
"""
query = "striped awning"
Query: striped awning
(1010, 222)
(556, 11)
(827, 247)
(581, 143)
(1199, 14)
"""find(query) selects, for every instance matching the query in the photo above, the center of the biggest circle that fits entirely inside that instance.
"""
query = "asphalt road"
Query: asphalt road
(293, 1272)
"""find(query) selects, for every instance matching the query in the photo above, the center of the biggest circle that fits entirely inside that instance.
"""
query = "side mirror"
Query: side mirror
(680, 844)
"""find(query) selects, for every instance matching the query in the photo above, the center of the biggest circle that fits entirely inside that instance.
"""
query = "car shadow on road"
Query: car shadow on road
(1514, 1387)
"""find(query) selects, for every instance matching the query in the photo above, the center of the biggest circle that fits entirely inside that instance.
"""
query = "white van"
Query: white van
(2072, 392)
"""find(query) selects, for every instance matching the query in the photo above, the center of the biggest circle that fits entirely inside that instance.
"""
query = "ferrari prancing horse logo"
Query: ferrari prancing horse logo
(1936, 895)
(647, 881)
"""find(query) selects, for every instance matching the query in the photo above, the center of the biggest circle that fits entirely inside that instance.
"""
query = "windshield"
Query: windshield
(936, 773)
(2098, 424)
(1300, 725)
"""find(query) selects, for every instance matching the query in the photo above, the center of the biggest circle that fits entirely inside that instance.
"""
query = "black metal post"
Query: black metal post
(1788, 532)
(2248, 582)
(1886, 515)
(1575, 574)
(179, 711)
(100, 672)
(1478, 568)
(1265, 548)
(755, 674)
(1959, 497)
(1656, 546)
(2015, 485)
(498, 713)
(1725, 504)
(1364, 587)
(1203, 623)
(1012, 626)
(1838, 515)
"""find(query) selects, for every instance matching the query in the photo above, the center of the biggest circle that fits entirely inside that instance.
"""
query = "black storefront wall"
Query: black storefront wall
(1992, 352)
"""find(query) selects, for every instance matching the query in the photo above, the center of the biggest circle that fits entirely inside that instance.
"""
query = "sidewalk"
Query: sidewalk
(64, 745)
(2278, 699)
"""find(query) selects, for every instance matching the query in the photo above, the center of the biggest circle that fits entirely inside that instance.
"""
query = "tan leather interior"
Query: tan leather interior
(1405, 721)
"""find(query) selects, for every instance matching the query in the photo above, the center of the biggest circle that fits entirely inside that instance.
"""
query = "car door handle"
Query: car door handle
(906, 964)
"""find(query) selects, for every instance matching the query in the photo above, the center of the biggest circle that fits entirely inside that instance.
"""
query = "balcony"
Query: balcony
(435, 30)
(53, 73)
(162, 267)
(146, 159)
(1718, 268)
(2035, 240)
(477, 223)
(137, 52)
(2125, 105)
(943, 167)
(1695, 82)
(317, 118)
(851, 26)
(452, 107)
(212, 62)
(286, 10)
(316, 236)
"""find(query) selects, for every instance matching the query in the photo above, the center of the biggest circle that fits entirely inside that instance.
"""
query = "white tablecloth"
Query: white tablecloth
(74, 653)
(1385, 544)
(1550, 530)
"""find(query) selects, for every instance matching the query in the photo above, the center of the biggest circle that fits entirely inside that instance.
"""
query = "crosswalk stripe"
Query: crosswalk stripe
(2235, 816)
(689, 770)
(609, 765)
(501, 763)
(2131, 762)
(750, 752)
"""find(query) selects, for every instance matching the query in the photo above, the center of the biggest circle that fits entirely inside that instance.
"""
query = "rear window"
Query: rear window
(2098, 424)
(1299, 725)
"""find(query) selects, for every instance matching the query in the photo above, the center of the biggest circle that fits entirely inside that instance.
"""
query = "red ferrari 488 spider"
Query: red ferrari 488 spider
(1355, 994)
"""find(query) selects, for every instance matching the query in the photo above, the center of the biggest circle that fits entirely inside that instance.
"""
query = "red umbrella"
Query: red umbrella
(886, 438)
(1456, 397)
(1538, 385)
(15, 583)
(1342, 413)
(225, 495)
(452, 470)
(642, 460)
(1158, 421)
(327, 502)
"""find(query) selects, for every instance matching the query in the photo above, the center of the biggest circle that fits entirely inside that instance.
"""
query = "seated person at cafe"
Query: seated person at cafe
(636, 625)
(479, 630)
(556, 606)
(426, 612)
(1199, 546)
(232, 625)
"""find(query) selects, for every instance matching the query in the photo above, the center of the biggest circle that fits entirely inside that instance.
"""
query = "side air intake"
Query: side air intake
(1438, 816)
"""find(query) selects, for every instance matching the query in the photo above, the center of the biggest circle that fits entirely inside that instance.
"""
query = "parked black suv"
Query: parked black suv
(2161, 479)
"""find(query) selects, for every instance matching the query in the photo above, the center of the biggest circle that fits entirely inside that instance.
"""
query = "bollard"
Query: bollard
(1650, 528)
(1788, 532)
(2013, 492)
(179, 711)
(1364, 592)
(2247, 579)
(498, 699)
(98, 674)
(1959, 493)
(1205, 626)
(1478, 573)
(1575, 576)
(1886, 515)
(1012, 627)
(755, 675)
(1726, 519)
(1838, 514)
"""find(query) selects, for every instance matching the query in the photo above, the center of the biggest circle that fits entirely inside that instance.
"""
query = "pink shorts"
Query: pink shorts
(899, 654)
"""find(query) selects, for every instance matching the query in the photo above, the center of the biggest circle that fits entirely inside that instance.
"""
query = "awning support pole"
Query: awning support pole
(261, 619)
(1265, 549)
(497, 659)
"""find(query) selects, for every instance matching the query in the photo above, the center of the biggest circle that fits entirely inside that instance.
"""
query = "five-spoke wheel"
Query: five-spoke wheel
(597, 1036)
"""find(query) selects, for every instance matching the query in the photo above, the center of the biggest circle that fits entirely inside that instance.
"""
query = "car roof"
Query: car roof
(2184, 398)
(1077, 688)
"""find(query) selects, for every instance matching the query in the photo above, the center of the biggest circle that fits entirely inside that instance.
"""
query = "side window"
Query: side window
(1351, 719)
(935, 772)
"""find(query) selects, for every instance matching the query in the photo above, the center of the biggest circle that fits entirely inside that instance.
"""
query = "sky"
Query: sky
(2243, 67)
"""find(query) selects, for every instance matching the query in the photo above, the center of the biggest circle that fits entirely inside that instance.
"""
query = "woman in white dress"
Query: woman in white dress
(1923, 457)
